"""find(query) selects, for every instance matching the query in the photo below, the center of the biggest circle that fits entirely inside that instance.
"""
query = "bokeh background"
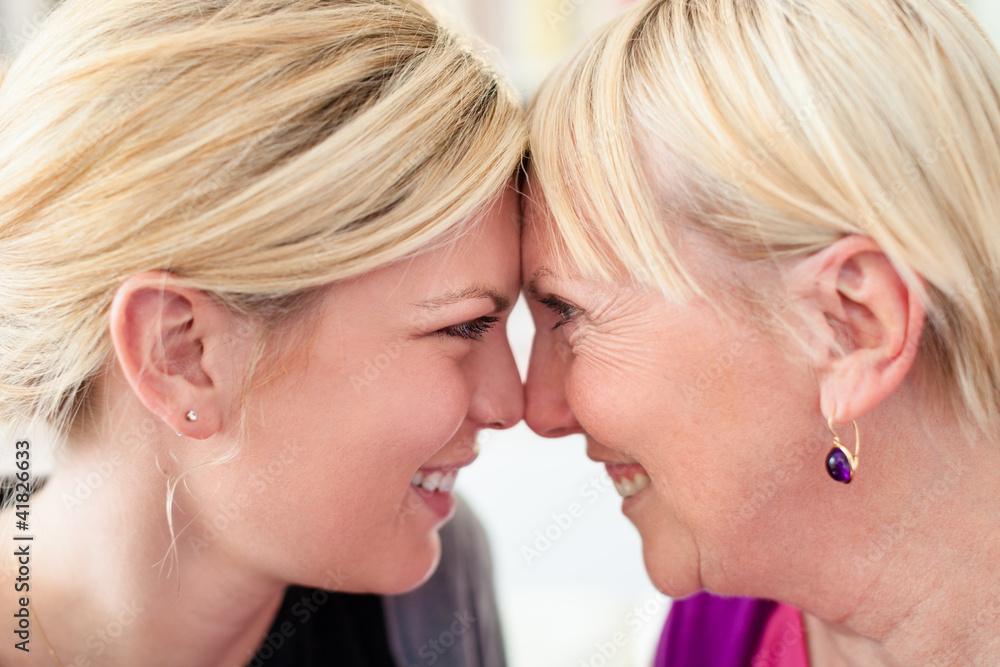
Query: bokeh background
(567, 583)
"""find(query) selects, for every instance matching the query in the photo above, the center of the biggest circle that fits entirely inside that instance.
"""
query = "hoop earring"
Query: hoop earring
(840, 463)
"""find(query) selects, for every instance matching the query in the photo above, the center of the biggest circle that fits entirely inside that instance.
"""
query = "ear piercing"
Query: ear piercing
(191, 416)
(840, 463)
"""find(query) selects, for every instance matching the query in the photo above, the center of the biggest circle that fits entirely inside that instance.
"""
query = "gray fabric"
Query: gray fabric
(452, 620)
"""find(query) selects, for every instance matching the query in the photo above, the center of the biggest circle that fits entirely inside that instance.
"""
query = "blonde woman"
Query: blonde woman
(762, 247)
(256, 258)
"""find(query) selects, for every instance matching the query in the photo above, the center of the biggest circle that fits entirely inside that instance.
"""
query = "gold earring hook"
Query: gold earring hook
(841, 464)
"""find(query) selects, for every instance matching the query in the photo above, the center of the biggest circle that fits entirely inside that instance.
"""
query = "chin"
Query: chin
(408, 568)
(671, 571)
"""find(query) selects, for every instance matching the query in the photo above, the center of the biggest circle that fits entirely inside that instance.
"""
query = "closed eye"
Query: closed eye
(474, 330)
(565, 311)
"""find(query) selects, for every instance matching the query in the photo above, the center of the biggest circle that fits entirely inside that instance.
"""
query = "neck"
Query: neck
(927, 572)
(108, 584)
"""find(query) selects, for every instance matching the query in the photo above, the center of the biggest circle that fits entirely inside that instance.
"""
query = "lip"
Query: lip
(464, 454)
(448, 467)
(614, 461)
(442, 503)
(629, 504)
(620, 471)
(613, 457)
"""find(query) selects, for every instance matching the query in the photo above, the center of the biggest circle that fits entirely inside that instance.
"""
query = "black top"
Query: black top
(317, 627)
(450, 621)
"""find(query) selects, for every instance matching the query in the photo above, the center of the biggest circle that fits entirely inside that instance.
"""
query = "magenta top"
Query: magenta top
(707, 629)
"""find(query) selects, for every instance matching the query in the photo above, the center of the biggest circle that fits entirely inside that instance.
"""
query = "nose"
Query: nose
(498, 397)
(547, 411)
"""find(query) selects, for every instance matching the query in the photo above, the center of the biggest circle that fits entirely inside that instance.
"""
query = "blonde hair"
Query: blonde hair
(780, 126)
(258, 149)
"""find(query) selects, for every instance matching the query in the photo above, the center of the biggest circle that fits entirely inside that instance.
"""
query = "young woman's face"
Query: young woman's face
(366, 432)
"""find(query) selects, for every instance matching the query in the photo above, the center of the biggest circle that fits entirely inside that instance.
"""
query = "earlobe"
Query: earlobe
(160, 330)
(875, 323)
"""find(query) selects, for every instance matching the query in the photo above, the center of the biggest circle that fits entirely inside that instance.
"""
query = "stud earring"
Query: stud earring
(191, 416)
(840, 463)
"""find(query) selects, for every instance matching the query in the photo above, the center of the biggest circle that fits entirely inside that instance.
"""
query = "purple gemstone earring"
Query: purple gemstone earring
(840, 463)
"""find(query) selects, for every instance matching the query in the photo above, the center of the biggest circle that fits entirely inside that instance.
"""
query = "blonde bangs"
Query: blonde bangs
(605, 221)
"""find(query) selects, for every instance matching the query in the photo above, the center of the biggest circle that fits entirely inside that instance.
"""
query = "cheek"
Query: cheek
(412, 395)
(630, 395)
(603, 401)
(423, 403)
(347, 478)
(364, 435)
(680, 400)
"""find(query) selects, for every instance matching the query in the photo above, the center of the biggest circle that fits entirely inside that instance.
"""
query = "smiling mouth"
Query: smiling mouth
(629, 479)
(435, 480)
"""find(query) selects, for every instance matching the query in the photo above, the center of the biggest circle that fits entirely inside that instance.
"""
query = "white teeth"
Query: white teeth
(625, 488)
(629, 487)
(448, 483)
(432, 480)
(435, 481)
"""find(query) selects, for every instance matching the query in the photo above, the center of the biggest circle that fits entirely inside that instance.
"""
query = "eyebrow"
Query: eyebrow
(531, 287)
(500, 302)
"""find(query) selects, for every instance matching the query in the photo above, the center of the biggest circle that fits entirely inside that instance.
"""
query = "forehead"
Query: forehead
(533, 205)
(486, 246)
(544, 251)
(483, 252)
(537, 222)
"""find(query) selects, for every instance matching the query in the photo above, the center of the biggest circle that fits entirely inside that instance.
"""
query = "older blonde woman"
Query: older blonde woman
(762, 248)
(256, 258)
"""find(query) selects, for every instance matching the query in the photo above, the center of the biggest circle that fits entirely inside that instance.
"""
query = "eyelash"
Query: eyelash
(561, 308)
(474, 330)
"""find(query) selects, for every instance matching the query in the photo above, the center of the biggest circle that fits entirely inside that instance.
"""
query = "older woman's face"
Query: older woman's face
(366, 433)
(688, 409)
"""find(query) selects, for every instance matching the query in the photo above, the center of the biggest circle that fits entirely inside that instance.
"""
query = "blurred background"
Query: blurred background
(567, 582)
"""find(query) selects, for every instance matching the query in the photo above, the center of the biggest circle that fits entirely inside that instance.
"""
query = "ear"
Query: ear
(177, 351)
(868, 323)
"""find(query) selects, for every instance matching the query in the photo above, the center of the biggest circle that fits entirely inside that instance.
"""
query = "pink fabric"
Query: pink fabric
(783, 642)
